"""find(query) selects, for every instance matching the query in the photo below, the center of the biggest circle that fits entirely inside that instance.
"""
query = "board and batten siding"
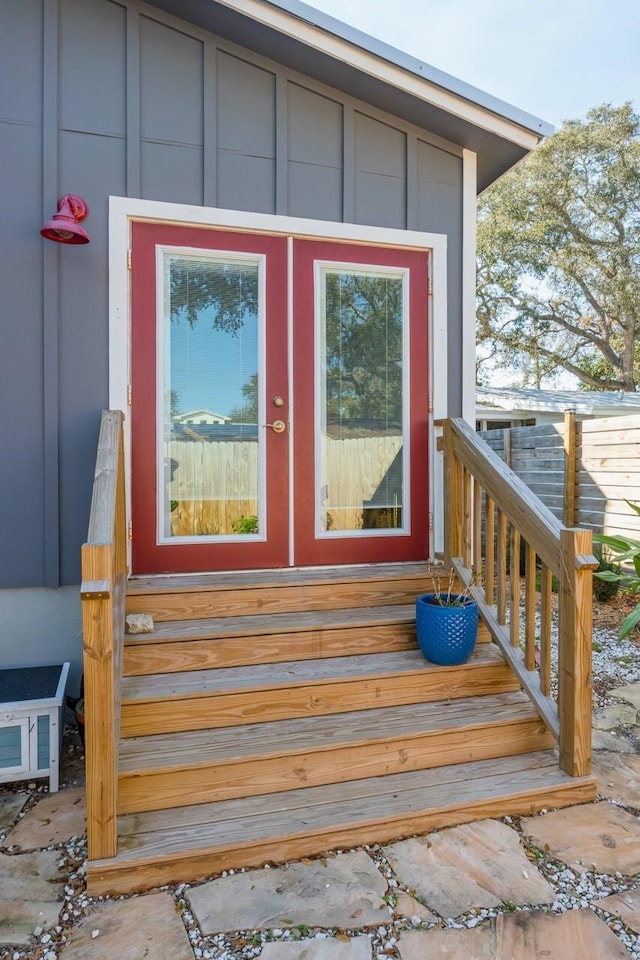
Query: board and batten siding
(108, 98)
(607, 469)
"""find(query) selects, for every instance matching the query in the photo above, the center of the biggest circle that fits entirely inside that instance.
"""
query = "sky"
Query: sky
(554, 59)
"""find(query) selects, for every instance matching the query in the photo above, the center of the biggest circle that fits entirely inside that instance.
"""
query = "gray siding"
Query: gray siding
(100, 97)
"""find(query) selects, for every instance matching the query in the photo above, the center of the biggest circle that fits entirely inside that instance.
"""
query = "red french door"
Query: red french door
(361, 400)
(233, 466)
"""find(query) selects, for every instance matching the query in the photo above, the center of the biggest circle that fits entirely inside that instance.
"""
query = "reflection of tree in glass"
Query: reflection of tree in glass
(364, 347)
(248, 411)
(230, 288)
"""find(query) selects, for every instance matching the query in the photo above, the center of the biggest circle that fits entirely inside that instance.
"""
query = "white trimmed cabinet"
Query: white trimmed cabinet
(31, 722)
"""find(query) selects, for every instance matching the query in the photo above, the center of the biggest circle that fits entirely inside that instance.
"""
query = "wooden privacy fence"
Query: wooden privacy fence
(103, 593)
(215, 482)
(491, 517)
(583, 471)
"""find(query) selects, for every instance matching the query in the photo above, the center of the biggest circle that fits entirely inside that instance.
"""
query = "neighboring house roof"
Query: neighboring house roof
(522, 401)
(198, 415)
(311, 42)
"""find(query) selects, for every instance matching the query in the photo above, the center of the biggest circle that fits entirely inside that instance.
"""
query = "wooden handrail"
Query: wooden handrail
(563, 552)
(103, 591)
(513, 497)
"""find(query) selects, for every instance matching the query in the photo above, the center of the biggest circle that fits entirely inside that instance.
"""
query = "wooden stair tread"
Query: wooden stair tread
(190, 583)
(197, 683)
(265, 624)
(319, 811)
(275, 738)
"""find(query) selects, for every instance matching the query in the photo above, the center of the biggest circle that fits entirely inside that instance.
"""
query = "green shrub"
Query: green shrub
(605, 590)
(623, 551)
(245, 524)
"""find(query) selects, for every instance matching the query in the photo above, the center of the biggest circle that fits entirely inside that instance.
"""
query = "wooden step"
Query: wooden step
(277, 591)
(189, 843)
(205, 765)
(196, 700)
(181, 645)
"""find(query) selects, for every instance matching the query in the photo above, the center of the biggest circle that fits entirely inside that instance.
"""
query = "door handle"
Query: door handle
(278, 426)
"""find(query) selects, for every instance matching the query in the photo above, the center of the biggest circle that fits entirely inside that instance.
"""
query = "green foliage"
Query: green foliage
(245, 524)
(226, 292)
(363, 347)
(625, 553)
(559, 256)
(605, 590)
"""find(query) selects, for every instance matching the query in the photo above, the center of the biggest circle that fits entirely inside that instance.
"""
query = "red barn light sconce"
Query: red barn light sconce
(64, 226)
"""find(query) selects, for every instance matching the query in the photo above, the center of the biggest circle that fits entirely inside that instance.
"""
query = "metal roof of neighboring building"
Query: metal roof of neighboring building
(518, 400)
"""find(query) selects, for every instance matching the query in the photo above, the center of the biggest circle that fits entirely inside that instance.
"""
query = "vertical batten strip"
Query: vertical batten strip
(209, 127)
(282, 146)
(133, 120)
(50, 299)
(348, 164)
(412, 219)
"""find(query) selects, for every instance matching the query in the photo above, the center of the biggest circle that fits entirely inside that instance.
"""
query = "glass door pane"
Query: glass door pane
(210, 377)
(361, 374)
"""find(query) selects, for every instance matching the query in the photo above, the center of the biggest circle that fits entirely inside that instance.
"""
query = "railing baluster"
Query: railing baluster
(490, 550)
(545, 629)
(514, 587)
(530, 608)
(477, 528)
(502, 567)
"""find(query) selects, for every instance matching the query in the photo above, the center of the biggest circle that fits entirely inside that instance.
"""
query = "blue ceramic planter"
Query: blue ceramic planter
(446, 634)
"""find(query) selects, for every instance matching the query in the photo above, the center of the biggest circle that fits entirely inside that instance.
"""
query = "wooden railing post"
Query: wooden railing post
(453, 497)
(574, 651)
(103, 592)
(100, 698)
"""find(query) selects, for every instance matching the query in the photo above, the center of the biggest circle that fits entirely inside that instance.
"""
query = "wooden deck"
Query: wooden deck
(309, 720)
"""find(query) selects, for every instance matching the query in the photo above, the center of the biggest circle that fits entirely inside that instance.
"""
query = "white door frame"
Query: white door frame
(124, 210)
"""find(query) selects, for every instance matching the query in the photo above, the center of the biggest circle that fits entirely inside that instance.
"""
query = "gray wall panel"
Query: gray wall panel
(172, 173)
(246, 183)
(21, 383)
(380, 148)
(246, 120)
(381, 201)
(171, 84)
(332, 159)
(380, 173)
(314, 192)
(315, 127)
(95, 167)
(92, 67)
(440, 211)
(21, 60)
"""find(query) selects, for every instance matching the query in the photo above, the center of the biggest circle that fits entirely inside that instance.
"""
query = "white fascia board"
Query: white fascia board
(382, 69)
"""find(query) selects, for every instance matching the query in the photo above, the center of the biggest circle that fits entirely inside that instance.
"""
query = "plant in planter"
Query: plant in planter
(446, 623)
